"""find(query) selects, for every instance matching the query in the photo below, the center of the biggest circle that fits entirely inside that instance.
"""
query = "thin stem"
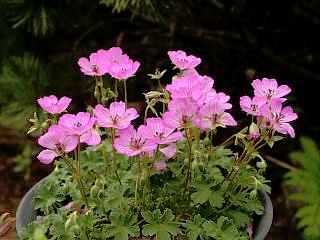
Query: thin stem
(78, 156)
(77, 175)
(145, 114)
(125, 92)
(138, 181)
(115, 89)
(225, 141)
(159, 83)
(188, 177)
(114, 162)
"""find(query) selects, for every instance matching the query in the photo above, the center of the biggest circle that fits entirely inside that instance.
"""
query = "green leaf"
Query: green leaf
(162, 226)
(194, 227)
(47, 196)
(122, 226)
(223, 229)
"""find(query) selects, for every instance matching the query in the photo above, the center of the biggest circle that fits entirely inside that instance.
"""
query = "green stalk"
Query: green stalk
(189, 175)
(77, 176)
(114, 162)
(125, 92)
(115, 89)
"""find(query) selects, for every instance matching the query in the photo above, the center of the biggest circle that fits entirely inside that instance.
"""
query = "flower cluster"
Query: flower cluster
(112, 61)
(267, 107)
(172, 165)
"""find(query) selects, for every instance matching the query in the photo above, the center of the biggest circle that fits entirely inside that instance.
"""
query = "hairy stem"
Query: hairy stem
(114, 162)
(125, 92)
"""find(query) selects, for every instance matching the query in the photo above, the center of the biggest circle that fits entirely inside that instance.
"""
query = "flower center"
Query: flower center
(95, 68)
(78, 124)
(254, 107)
(59, 147)
(269, 94)
(115, 120)
(159, 135)
(184, 119)
(136, 144)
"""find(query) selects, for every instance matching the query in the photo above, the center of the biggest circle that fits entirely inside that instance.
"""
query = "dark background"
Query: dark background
(238, 41)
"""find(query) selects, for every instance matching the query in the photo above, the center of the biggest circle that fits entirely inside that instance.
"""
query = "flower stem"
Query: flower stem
(77, 176)
(125, 92)
(189, 175)
(114, 162)
(115, 89)
(137, 181)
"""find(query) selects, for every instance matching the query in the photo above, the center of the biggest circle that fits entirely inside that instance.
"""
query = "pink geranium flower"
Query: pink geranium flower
(159, 133)
(81, 125)
(160, 165)
(117, 116)
(180, 114)
(252, 106)
(57, 141)
(194, 87)
(114, 55)
(124, 69)
(132, 142)
(268, 89)
(51, 104)
(278, 118)
(95, 65)
(169, 151)
(182, 61)
(212, 115)
(221, 97)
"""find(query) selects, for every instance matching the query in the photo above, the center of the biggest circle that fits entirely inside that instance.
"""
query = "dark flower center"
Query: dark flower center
(254, 107)
(95, 68)
(78, 124)
(136, 144)
(59, 147)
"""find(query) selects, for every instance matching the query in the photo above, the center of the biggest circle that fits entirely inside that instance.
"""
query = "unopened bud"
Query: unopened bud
(153, 94)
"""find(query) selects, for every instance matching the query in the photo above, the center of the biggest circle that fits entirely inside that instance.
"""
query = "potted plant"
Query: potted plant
(164, 179)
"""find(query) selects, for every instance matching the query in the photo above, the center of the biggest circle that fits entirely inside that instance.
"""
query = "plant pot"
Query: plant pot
(26, 213)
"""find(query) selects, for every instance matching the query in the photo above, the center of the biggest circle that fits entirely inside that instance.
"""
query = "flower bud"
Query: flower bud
(72, 220)
(94, 191)
(152, 94)
(194, 164)
(253, 194)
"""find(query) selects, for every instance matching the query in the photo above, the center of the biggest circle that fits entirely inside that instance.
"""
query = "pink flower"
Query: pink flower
(114, 55)
(132, 142)
(190, 72)
(195, 87)
(117, 116)
(57, 141)
(252, 106)
(158, 132)
(95, 65)
(169, 151)
(221, 97)
(212, 115)
(67, 207)
(268, 89)
(182, 61)
(180, 114)
(51, 104)
(160, 165)
(124, 69)
(81, 125)
(278, 118)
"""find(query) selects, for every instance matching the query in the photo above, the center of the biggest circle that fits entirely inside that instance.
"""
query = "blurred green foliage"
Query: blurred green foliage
(22, 80)
(307, 180)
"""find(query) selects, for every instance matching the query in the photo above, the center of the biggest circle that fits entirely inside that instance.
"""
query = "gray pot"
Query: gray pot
(26, 213)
